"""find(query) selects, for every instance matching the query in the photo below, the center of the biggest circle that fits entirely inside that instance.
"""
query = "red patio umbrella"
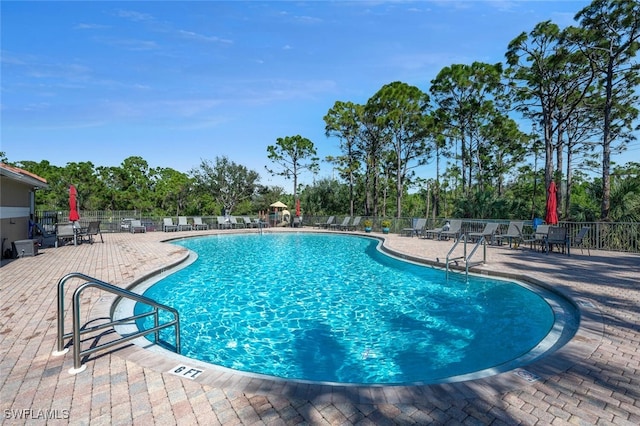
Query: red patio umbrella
(551, 217)
(73, 204)
(298, 207)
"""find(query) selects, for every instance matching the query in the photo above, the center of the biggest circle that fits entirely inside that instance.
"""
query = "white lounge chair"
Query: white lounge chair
(235, 224)
(168, 225)
(198, 224)
(183, 225)
(223, 223)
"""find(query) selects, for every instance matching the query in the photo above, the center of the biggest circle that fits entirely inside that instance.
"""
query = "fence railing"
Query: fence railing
(611, 236)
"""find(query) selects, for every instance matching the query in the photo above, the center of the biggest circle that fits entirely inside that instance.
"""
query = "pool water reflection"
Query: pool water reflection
(332, 308)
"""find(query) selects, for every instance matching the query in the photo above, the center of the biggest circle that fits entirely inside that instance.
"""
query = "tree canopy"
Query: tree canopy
(565, 96)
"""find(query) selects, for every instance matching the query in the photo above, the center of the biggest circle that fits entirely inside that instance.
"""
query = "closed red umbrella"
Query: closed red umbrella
(73, 204)
(298, 207)
(551, 217)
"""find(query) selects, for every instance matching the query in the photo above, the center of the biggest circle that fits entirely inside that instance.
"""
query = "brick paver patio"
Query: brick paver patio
(594, 379)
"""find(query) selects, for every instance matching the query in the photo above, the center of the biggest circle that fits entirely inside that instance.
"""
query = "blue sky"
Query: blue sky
(177, 82)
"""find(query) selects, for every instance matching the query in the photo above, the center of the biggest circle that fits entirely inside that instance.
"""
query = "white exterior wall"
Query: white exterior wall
(17, 203)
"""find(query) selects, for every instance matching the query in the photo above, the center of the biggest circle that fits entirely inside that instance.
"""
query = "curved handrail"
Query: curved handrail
(75, 335)
(467, 258)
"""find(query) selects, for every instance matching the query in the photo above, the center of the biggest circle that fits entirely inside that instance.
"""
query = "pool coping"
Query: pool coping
(588, 336)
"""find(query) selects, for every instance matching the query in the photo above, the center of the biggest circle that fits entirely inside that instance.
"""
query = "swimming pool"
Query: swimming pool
(332, 308)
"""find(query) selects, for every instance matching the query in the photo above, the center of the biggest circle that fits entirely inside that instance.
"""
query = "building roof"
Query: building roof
(20, 175)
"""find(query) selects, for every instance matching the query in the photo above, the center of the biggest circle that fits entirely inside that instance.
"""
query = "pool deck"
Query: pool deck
(594, 379)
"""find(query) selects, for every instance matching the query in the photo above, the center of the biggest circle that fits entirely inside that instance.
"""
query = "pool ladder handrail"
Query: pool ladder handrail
(482, 241)
(122, 293)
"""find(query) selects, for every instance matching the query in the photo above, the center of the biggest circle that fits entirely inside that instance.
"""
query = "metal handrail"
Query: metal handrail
(448, 259)
(467, 259)
(481, 242)
(75, 334)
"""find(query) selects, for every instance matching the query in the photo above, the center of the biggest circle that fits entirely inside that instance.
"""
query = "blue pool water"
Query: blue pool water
(332, 308)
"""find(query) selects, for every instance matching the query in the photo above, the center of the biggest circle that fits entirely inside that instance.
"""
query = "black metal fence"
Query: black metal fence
(611, 236)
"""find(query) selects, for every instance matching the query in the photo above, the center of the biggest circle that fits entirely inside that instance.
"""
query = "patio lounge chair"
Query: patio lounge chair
(455, 229)
(513, 234)
(223, 223)
(353, 225)
(538, 237)
(168, 225)
(325, 225)
(578, 240)
(344, 223)
(557, 236)
(488, 232)
(248, 222)
(66, 232)
(432, 233)
(198, 224)
(417, 229)
(183, 225)
(235, 224)
(259, 223)
(91, 231)
(136, 226)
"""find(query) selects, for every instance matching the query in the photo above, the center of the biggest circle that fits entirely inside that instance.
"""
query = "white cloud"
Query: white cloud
(131, 44)
(201, 37)
(308, 19)
(83, 26)
(134, 16)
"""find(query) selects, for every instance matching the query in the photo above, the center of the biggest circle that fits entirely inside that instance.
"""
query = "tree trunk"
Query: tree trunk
(606, 147)
(548, 152)
(559, 168)
(399, 185)
(351, 196)
(567, 201)
(367, 185)
(463, 165)
(376, 187)
(535, 185)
